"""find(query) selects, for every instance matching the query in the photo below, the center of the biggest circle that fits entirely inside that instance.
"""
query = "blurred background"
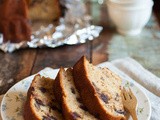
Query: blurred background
(143, 47)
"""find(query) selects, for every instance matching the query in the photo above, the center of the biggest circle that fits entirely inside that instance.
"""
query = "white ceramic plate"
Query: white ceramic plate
(14, 99)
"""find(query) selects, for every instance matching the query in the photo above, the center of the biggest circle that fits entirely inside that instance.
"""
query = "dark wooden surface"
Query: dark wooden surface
(22, 63)
(25, 62)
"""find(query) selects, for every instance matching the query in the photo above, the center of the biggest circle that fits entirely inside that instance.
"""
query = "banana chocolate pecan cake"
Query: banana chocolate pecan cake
(85, 92)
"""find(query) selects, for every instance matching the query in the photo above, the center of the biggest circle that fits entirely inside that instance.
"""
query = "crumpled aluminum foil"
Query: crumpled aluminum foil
(74, 28)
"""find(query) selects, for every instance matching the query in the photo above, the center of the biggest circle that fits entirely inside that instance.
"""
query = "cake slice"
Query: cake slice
(100, 90)
(41, 103)
(68, 97)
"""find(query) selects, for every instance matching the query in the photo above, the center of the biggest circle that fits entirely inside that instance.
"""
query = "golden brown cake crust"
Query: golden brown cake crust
(88, 93)
(60, 93)
(28, 113)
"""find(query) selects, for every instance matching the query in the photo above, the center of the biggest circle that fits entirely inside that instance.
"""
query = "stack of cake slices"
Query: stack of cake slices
(84, 92)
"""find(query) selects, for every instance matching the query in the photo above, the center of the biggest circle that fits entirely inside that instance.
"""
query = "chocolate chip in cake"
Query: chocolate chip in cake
(75, 115)
(121, 112)
(79, 99)
(56, 108)
(38, 101)
(49, 118)
(83, 107)
(73, 90)
(104, 97)
(32, 88)
(42, 89)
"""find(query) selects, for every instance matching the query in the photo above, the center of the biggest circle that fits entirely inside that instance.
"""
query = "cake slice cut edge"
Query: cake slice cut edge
(100, 90)
(66, 92)
(41, 103)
